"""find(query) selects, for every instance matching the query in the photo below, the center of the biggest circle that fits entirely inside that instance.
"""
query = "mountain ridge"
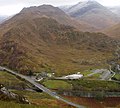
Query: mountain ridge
(58, 15)
(94, 14)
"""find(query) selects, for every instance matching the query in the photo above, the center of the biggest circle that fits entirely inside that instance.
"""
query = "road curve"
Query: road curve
(110, 68)
(41, 87)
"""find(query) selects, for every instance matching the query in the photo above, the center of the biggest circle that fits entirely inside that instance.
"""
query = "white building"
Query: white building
(73, 76)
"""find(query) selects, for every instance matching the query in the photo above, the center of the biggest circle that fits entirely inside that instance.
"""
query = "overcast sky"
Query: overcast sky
(10, 7)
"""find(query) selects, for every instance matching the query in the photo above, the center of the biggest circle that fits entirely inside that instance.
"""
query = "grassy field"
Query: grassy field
(117, 77)
(83, 84)
(31, 95)
(95, 76)
(85, 73)
(95, 85)
(10, 80)
(57, 84)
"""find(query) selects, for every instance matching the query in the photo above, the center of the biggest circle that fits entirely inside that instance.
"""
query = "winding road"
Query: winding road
(113, 75)
(41, 87)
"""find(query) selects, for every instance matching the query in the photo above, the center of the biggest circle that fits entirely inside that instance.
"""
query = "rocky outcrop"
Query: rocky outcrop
(6, 95)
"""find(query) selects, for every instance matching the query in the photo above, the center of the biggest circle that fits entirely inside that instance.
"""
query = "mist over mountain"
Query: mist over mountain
(3, 18)
(115, 10)
(93, 13)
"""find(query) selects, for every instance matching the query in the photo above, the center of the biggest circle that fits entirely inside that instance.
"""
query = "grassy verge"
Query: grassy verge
(85, 73)
(32, 94)
(95, 76)
(57, 84)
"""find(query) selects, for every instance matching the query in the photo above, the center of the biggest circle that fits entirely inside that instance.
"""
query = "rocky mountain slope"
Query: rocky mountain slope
(93, 13)
(32, 41)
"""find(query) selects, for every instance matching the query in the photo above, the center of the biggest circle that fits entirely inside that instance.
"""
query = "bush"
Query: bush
(100, 96)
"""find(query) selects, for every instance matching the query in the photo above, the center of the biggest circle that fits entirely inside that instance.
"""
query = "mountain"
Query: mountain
(93, 13)
(115, 10)
(2, 18)
(38, 42)
(65, 7)
(58, 15)
(113, 31)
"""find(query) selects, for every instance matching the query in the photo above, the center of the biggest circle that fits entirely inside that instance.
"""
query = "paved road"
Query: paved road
(106, 75)
(110, 68)
(41, 87)
(89, 75)
(113, 75)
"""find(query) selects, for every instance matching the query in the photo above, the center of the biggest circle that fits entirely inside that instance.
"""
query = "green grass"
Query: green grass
(85, 73)
(32, 94)
(95, 76)
(10, 80)
(57, 84)
(95, 85)
(117, 76)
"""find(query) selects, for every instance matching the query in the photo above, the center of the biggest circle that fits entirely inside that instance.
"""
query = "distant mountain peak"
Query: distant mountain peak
(88, 1)
(90, 4)
(93, 13)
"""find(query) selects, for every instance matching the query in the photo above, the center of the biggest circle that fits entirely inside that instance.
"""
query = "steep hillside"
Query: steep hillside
(57, 14)
(113, 31)
(29, 42)
(93, 13)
